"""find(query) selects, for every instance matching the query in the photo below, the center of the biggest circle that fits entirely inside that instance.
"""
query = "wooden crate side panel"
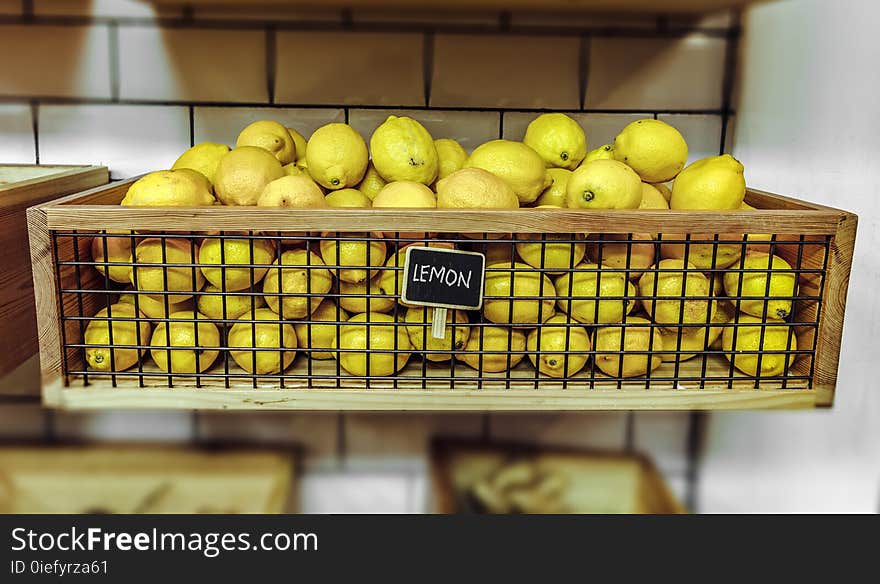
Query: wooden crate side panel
(46, 305)
(18, 330)
(834, 306)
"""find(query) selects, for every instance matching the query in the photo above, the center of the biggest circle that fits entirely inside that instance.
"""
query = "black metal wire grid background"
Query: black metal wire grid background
(467, 360)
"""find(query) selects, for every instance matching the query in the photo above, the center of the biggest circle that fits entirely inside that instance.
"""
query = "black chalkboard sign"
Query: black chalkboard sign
(443, 278)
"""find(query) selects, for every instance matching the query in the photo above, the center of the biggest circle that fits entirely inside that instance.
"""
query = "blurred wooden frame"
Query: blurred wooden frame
(651, 495)
(788, 218)
(147, 478)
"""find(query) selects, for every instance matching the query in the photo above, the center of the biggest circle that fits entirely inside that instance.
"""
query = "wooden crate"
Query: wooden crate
(143, 479)
(21, 186)
(591, 481)
(788, 218)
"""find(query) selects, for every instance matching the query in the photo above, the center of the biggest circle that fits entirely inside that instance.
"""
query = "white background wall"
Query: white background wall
(807, 124)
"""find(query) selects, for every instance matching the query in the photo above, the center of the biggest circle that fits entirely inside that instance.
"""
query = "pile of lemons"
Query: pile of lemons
(260, 302)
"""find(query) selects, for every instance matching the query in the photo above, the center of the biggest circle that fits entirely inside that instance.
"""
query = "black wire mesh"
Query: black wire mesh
(300, 310)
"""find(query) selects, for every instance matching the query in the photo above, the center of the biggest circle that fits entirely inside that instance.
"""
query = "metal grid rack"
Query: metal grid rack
(712, 366)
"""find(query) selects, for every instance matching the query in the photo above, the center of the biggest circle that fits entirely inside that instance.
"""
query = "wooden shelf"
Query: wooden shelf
(620, 6)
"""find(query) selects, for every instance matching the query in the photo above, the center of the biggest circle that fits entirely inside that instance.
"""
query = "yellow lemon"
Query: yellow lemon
(551, 251)
(603, 184)
(372, 182)
(516, 164)
(218, 261)
(336, 156)
(777, 337)
(403, 149)
(554, 195)
(506, 282)
(603, 152)
(154, 274)
(451, 156)
(492, 349)
(355, 297)
(118, 252)
(405, 194)
(312, 335)
(152, 308)
(695, 339)
(560, 350)
(101, 354)
(299, 143)
(351, 198)
(182, 346)
(355, 261)
(558, 139)
(669, 294)
(654, 149)
(243, 174)
(496, 252)
(212, 303)
(652, 198)
(292, 192)
(664, 190)
(268, 333)
(300, 273)
(270, 136)
(475, 188)
(635, 342)
(454, 339)
(373, 356)
(703, 255)
(168, 188)
(622, 251)
(774, 297)
(711, 183)
(580, 294)
(203, 158)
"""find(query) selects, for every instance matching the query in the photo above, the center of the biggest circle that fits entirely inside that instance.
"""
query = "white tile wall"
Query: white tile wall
(349, 68)
(383, 466)
(10, 7)
(182, 64)
(347, 491)
(470, 128)
(128, 139)
(605, 430)
(701, 132)
(474, 70)
(17, 145)
(136, 426)
(315, 434)
(655, 73)
(103, 8)
(72, 61)
(223, 124)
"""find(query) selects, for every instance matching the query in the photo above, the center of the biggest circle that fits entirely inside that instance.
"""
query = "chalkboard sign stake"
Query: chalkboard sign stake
(438, 324)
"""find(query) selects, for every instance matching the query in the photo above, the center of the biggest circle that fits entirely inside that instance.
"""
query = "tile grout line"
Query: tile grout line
(271, 62)
(35, 124)
(428, 64)
(115, 69)
(583, 68)
(192, 126)
(696, 426)
(731, 49)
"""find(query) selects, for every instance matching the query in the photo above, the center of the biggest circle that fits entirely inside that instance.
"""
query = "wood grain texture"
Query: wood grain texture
(144, 479)
(840, 260)
(32, 185)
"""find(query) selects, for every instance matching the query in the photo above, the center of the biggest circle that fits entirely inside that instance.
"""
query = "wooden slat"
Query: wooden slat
(645, 6)
(440, 220)
(834, 305)
(18, 333)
